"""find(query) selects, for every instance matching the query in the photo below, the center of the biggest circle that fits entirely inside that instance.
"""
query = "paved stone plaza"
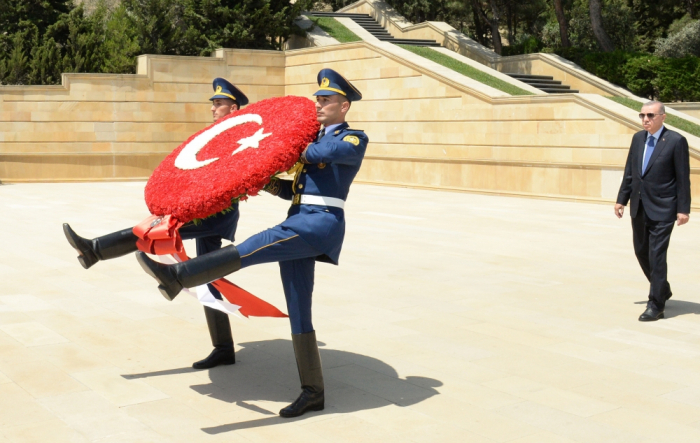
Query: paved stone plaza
(452, 318)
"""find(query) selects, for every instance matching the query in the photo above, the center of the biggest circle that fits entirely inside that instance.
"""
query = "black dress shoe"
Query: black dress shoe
(307, 401)
(651, 314)
(194, 272)
(165, 275)
(219, 356)
(82, 246)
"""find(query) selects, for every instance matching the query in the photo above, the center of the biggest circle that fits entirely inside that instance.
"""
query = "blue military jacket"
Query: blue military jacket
(334, 161)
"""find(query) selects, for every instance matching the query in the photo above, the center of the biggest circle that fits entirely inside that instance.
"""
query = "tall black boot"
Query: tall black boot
(106, 247)
(221, 338)
(194, 272)
(310, 374)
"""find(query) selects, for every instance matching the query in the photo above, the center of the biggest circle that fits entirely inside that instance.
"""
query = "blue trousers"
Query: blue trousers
(208, 235)
(297, 261)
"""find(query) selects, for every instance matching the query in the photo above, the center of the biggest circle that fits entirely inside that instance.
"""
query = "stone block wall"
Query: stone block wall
(426, 130)
(119, 127)
(426, 133)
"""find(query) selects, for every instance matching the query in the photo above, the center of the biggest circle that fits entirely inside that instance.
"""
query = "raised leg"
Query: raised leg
(194, 272)
(106, 247)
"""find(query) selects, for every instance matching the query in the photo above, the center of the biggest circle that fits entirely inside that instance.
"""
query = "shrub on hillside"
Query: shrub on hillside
(665, 79)
(646, 75)
(528, 44)
(684, 42)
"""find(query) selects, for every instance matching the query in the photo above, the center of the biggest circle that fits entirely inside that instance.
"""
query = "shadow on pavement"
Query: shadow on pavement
(266, 371)
(159, 373)
(675, 308)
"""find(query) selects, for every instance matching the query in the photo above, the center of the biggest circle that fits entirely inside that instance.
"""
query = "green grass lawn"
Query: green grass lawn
(335, 29)
(672, 120)
(467, 70)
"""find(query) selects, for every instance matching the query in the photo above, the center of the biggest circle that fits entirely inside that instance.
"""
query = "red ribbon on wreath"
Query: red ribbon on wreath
(160, 236)
(250, 304)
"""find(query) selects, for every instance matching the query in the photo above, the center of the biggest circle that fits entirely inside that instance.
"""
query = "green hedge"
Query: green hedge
(646, 75)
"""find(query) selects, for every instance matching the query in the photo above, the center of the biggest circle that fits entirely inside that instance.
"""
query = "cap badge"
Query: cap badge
(218, 89)
(325, 82)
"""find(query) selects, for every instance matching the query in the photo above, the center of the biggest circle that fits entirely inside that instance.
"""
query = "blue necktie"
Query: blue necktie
(321, 133)
(651, 142)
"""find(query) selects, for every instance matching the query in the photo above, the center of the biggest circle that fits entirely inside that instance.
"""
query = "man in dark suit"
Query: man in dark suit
(657, 182)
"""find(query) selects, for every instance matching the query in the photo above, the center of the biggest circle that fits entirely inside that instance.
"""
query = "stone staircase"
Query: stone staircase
(374, 28)
(544, 83)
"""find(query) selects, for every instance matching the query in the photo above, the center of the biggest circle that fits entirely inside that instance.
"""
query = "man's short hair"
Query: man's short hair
(655, 102)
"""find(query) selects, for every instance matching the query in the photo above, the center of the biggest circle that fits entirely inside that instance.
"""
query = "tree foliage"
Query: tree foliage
(43, 38)
(633, 28)
(683, 39)
(633, 25)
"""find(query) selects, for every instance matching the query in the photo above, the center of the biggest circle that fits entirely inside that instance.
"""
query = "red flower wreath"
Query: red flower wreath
(232, 159)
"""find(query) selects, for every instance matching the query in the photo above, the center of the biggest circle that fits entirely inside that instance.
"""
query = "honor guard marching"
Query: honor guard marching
(208, 234)
(313, 231)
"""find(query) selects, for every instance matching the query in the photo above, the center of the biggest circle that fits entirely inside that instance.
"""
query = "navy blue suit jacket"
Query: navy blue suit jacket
(664, 188)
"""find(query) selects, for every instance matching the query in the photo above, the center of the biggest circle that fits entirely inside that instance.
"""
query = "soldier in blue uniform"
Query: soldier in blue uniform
(313, 231)
(208, 234)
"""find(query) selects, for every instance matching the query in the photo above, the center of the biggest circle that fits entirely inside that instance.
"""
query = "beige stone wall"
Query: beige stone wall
(426, 129)
(98, 126)
(425, 133)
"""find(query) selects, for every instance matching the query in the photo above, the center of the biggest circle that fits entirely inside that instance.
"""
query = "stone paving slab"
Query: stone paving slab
(452, 317)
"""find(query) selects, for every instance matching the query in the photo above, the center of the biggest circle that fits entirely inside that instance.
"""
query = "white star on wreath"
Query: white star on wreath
(251, 142)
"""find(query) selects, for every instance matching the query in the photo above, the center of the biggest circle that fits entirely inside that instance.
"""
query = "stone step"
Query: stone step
(559, 91)
(548, 85)
(378, 31)
(340, 14)
(544, 83)
(539, 81)
(522, 76)
(414, 42)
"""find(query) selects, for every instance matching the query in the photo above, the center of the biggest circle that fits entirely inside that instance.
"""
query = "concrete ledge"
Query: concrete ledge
(315, 36)
(691, 109)
(686, 109)
(77, 167)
